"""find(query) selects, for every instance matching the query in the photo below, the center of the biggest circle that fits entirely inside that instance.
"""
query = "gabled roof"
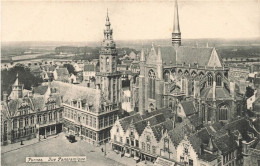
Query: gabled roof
(177, 134)
(89, 67)
(40, 89)
(188, 107)
(74, 92)
(187, 55)
(62, 72)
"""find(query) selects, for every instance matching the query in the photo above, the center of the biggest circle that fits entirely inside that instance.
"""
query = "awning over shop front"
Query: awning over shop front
(163, 162)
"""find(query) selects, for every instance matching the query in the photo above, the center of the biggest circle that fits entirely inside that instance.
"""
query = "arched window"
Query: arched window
(151, 84)
(180, 72)
(166, 76)
(107, 60)
(201, 75)
(193, 73)
(151, 106)
(203, 112)
(186, 72)
(170, 103)
(223, 112)
(218, 80)
(210, 79)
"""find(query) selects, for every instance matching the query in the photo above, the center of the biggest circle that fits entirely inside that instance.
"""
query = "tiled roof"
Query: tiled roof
(89, 67)
(188, 107)
(225, 143)
(208, 157)
(178, 133)
(62, 72)
(241, 125)
(40, 89)
(73, 92)
(125, 122)
(195, 120)
(196, 142)
(187, 55)
(158, 129)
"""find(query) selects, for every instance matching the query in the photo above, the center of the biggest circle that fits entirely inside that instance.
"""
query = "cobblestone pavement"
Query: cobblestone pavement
(58, 146)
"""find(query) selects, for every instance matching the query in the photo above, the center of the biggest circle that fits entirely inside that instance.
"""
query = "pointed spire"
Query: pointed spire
(176, 26)
(159, 57)
(107, 21)
(176, 33)
(16, 83)
(142, 58)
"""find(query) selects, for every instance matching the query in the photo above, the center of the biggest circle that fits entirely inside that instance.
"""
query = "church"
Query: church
(171, 75)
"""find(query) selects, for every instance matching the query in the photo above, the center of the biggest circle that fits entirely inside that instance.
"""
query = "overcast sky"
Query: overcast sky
(84, 21)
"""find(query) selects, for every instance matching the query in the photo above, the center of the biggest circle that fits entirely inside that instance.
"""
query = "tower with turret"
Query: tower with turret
(17, 89)
(109, 76)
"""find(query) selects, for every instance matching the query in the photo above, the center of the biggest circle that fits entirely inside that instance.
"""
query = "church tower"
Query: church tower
(17, 89)
(176, 33)
(109, 77)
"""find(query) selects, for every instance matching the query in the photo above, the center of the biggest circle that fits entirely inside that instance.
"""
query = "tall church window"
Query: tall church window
(218, 80)
(203, 112)
(223, 112)
(166, 76)
(151, 79)
(210, 79)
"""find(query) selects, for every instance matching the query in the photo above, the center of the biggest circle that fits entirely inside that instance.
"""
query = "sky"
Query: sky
(131, 20)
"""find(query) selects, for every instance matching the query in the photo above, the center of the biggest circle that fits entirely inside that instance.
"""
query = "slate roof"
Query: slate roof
(208, 157)
(158, 117)
(195, 142)
(40, 89)
(158, 129)
(74, 92)
(221, 92)
(187, 55)
(241, 125)
(177, 134)
(225, 143)
(188, 107)
(125, 122)
(35, 103)
(195, 120)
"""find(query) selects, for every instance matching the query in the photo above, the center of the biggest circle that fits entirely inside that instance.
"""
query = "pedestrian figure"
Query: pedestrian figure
(102, 150)
(21, 142)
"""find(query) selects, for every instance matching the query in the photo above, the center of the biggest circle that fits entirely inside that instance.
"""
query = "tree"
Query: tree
(70, 68)
(24, 75)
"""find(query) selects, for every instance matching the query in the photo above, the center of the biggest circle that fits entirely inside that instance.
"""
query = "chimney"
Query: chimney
(5, 96)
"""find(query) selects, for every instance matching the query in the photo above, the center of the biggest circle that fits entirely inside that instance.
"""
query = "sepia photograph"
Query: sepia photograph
(130, 83)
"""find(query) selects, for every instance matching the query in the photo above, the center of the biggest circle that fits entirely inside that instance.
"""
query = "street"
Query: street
(59, 146)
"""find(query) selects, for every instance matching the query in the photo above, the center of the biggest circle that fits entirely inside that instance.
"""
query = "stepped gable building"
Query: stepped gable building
(35, 114)
(91, 112)
(174, 73)
(138, 135)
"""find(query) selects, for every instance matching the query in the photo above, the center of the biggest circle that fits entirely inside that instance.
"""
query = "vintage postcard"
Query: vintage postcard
(133, 82)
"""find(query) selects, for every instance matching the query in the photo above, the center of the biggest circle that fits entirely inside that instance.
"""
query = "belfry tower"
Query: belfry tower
(176, 33)
(109, 77)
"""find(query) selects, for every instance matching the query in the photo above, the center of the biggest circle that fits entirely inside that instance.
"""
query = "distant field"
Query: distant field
(29, 56)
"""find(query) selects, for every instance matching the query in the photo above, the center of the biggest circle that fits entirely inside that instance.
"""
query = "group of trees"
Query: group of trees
(25, 77)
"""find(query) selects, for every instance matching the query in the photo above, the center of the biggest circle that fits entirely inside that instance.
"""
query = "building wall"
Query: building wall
(189, 154)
